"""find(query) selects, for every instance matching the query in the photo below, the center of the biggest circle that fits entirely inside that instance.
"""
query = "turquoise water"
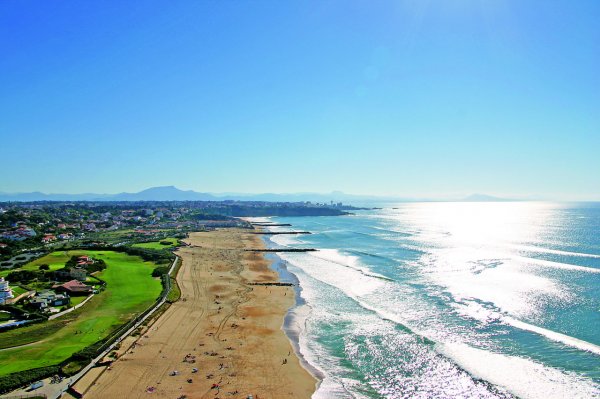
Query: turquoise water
(450, 300)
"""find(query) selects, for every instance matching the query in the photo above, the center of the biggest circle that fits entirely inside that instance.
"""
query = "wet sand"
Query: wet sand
(229, 330)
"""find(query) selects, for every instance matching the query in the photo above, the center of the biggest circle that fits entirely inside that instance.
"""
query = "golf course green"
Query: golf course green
(157, 244)
(130, 289)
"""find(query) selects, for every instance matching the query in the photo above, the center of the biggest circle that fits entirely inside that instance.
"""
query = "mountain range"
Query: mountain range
(172, 193)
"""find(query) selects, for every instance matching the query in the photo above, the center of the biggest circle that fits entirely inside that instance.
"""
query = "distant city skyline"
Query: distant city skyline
(407, 99)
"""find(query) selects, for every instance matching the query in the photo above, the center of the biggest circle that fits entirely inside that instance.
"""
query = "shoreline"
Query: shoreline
(296, 314)
(233, 333)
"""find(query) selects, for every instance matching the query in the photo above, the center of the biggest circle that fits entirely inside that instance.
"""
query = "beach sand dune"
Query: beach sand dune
(226, 329)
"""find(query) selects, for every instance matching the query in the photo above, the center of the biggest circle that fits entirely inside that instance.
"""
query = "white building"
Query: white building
(5, 291)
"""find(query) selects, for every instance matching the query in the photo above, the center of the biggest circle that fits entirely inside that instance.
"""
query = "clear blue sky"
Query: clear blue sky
(412, 98)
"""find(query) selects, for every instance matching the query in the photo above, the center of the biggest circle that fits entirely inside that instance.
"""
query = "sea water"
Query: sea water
(449, 300)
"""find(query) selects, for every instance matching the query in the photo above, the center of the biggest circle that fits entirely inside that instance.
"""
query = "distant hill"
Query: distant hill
(165, 193)
(172, 193)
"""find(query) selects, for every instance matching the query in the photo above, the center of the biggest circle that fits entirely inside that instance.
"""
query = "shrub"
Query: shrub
(22, 275)
(15, 380)
(159, 271)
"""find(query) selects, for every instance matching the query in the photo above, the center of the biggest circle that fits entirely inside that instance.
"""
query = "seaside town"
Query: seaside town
(33, 226)
(29, 230)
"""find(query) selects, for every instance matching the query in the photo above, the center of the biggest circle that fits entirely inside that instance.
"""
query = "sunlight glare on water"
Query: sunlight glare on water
(421, 300)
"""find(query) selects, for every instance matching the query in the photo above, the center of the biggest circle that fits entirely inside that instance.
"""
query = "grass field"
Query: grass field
(76, 300)
(157, 244)
(17, 290)
(130, 290)
(55, 260)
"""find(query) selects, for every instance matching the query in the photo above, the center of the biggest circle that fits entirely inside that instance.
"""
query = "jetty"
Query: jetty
(275, 284)
(266, 224)
(274, 233)
(281, 250)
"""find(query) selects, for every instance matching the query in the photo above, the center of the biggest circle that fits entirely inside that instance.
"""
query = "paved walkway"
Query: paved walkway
(56, 315)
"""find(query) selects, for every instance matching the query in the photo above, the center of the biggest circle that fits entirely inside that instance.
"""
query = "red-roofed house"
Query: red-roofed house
(48, 238)
(74, 288)
(83, 261)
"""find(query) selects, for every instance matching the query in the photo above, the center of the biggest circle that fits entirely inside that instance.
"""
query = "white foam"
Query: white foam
(556, 265)
(258, 219)
(510, 287)
(554, 251)
(555, 336)
(314, 354)
(524, 378)
(476, 311)
(351, 261)
(351, 281)
(285, 240)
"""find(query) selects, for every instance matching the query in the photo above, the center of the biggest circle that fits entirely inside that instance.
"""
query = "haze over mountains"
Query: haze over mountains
(172, 193)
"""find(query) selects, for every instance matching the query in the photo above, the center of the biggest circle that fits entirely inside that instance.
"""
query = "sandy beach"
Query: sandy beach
(223, 326)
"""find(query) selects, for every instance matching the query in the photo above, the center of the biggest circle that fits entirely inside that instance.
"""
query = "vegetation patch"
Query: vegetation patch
(160, 271)
(175, 292)
(5, 316)
(13, 381)
(130, 290)
(158, 245)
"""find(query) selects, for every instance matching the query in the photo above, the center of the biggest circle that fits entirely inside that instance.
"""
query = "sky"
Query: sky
(409, 98)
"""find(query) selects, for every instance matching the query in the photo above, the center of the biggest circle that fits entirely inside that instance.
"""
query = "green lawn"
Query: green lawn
(76, 300)
(17, 290)
(157, 244)
(55, 260)
(130, 290)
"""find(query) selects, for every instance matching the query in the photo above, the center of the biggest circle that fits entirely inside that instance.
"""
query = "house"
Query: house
(83, 261)
(20, 234)
(44, 299)
(38, 303)
(26, 231)
(78, 273)
(74, 288)
(5, 291)
(48, 238)
(89, 227)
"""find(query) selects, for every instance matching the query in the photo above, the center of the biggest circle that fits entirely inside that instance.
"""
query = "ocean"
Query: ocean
(448, 300)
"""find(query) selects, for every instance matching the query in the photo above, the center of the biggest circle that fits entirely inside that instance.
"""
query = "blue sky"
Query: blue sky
(410, 98)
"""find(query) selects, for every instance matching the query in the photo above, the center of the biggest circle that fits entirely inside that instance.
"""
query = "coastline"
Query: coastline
(233, 333)
(296, 315)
